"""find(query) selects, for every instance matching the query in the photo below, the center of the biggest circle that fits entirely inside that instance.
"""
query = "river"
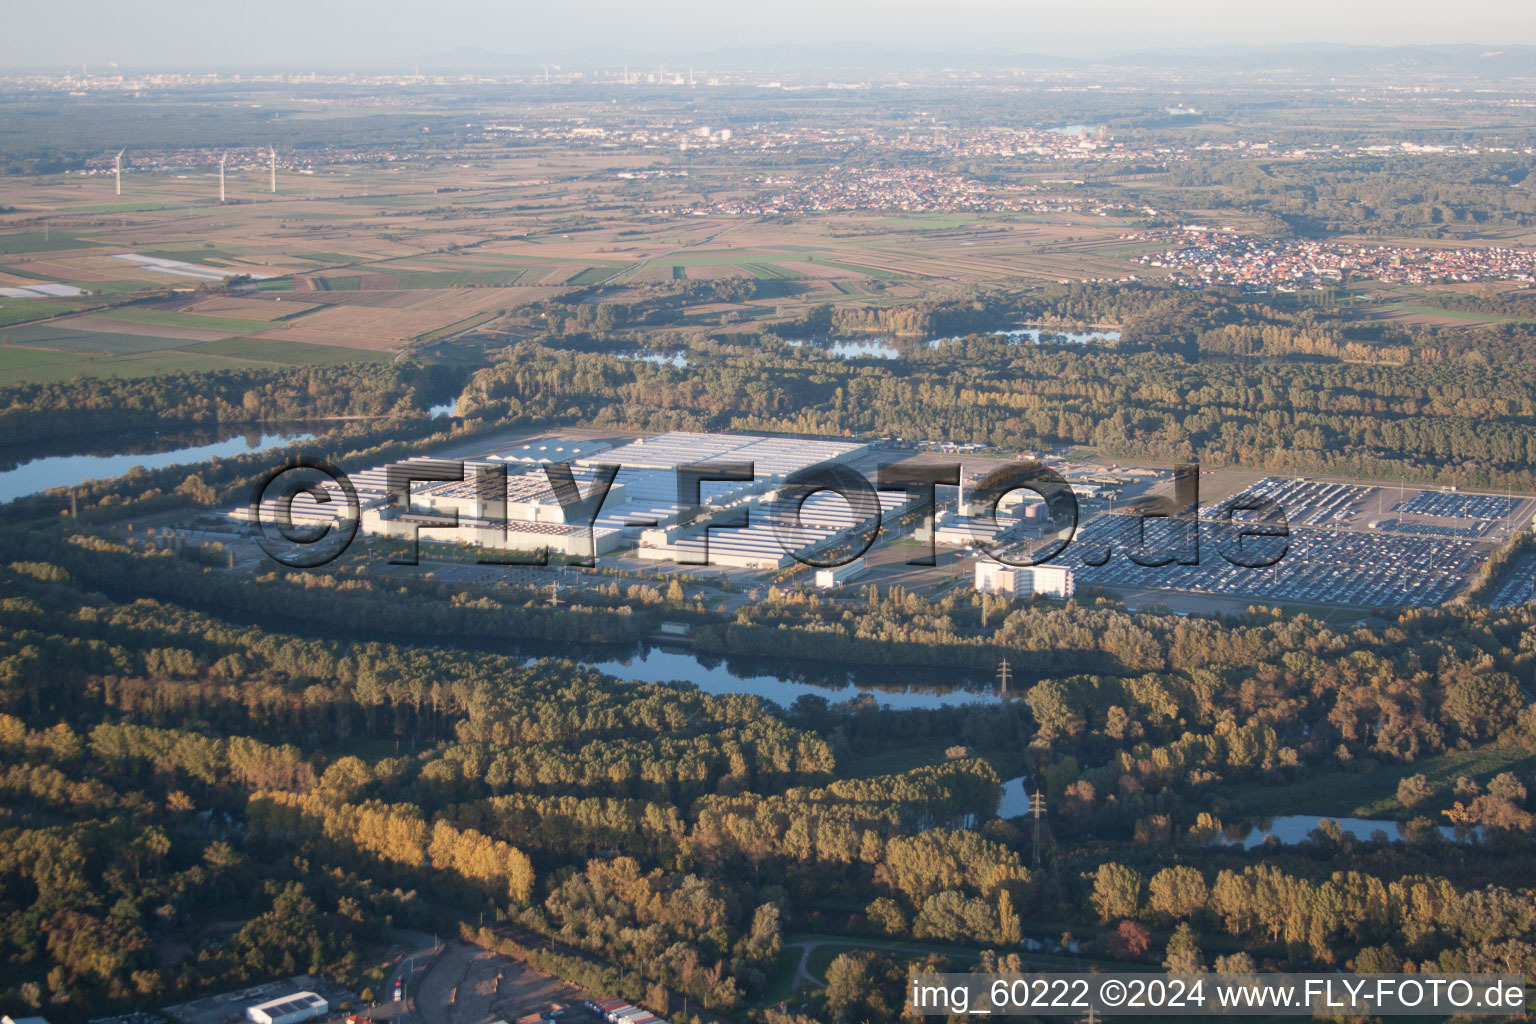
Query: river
(34, 473)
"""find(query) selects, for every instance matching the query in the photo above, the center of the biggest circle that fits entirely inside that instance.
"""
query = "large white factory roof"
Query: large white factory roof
(524, 484)
(549, 450)
(825, 519)
(772, 457)
(284, 1007)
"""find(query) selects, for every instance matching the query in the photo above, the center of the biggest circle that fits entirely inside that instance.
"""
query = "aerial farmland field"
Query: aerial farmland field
(383, 257)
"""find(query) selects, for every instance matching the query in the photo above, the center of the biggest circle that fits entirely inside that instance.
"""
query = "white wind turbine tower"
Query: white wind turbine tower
(117, 169)
(222, 161)
(273, 152)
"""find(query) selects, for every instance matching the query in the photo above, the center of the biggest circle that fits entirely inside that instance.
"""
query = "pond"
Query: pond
(1042, 335)
(32, 473)
(872, 348)
(783, 682)
(678, 360)
(1015, 799)
(1288, 829)
(1291, 829)
(883, 348)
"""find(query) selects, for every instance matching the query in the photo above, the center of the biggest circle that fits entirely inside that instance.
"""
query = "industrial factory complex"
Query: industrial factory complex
(718, 503)
(506, 500)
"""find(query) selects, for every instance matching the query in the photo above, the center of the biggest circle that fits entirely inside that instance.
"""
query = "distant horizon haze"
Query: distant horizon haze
(381, 35)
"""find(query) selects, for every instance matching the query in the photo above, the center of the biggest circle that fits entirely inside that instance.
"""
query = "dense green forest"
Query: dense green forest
(167, 767)
(92, 406)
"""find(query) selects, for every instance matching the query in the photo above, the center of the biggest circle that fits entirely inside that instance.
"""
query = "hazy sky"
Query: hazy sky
(216, 34)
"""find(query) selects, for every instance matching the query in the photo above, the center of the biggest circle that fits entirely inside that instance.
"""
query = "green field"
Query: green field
(19, 311)
(875, 272)
(140, 207)
(69, 339)
(429, 280)
(26, 366)
(39, 241)
(592, 275)
(12, 359)
(290, 353)
(1411, 308)
(1374, 795)
(773, 271)
(122, 287)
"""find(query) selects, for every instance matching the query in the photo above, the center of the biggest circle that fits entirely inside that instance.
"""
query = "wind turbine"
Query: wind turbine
(222, 161)
(273, 152)
(117, 169)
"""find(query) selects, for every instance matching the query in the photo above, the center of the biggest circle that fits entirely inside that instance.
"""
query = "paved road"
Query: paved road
(425, 948)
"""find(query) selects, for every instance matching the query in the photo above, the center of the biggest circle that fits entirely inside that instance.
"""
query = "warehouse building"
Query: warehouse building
(962, 531)
(617, 1011)
(495, 534)
(546, 450)
(644, 496)
(530, 498)
(772, 539)
(837, 575)
(370, 485)
(648, 469)
(289, 1009)
(529, 495)
(773, 458)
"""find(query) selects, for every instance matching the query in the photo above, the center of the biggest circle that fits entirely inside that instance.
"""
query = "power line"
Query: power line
(1037, 808)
